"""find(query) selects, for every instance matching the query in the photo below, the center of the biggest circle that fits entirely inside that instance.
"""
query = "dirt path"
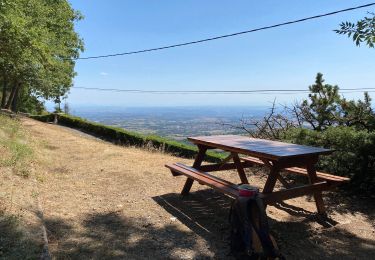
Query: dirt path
(105, 201)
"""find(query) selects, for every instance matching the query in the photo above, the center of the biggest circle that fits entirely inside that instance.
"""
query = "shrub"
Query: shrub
(353, 156)
(43, 118)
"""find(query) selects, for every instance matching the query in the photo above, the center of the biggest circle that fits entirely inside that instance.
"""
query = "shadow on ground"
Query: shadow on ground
(206, 213)
(16, 241)
(315, 238)
(110, 235)
(346, 203)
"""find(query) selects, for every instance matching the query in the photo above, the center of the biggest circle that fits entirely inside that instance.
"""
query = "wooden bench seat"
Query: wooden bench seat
(214, 182)
(231, 189)
(301, 171)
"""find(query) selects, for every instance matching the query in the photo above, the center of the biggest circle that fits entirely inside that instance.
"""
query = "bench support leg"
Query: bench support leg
(317, 195)
(185, 191)
(197, 163)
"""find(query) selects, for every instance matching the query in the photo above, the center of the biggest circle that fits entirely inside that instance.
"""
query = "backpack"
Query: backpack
(250, 237)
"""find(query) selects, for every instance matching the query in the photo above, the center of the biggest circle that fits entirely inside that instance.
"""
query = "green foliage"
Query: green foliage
(322, 108)
(353, 156)
(29, 103)
(362, 31)
(328, 120)
(37, 45)
(43, 118)
(358, 113)
(124, 137)
(325, 108)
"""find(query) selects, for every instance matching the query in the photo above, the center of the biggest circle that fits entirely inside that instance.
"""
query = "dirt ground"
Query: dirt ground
(102, 201)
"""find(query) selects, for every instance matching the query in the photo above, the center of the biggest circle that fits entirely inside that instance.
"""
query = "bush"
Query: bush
(43, 118)
(353, 156)
(124, 137)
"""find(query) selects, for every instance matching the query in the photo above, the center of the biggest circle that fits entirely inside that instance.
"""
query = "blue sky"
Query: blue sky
(286, 57)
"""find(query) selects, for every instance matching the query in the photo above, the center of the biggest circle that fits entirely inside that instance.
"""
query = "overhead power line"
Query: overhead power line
(227, 35)
(195, 92)
(189, 91)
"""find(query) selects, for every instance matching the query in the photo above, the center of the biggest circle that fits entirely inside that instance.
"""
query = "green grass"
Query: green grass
(16, 153)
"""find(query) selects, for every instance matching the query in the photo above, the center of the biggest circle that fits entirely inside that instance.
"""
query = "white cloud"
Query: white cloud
(104, 73)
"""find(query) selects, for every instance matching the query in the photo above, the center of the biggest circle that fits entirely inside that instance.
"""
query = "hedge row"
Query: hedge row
(353, 156)
(128, 138)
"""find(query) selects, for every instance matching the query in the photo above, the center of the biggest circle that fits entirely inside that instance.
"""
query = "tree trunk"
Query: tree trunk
(4, 95)
(14, 105)
(12, 95)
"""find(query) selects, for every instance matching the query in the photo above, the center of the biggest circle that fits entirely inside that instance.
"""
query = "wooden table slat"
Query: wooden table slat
(267, 149)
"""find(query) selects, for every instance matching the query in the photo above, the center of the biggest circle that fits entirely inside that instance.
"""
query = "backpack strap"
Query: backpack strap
(241, 237)
(261, 227)
(243, 203)
(247, 216)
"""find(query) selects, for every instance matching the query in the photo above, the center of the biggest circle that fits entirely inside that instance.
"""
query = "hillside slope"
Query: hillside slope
(102, 201)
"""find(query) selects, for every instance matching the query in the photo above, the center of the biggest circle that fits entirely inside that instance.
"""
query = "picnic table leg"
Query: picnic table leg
(317, 195)
(279, 177)
(197, 162)
(272, 178)
(241, 171)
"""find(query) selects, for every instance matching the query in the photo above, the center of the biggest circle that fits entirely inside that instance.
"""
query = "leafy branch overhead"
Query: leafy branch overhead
(37, 45)
(362, 31)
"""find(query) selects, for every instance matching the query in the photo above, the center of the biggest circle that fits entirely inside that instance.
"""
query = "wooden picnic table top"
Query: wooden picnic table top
(261, 148)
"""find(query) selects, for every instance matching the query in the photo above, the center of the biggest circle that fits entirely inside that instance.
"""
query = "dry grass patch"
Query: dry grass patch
(103, 201)
(17, 238)
(20, 226)
(15, 150)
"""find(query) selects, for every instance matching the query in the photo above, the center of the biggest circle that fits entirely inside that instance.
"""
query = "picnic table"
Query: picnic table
(245, 152)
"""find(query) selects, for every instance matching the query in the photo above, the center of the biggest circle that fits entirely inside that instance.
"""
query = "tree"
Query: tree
(358, 113)
(324, 108)
(321, 110)
(362, 31)
(38, 45)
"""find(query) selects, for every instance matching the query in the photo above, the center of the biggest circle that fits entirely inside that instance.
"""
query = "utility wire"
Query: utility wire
(195, 92)
(226, 35)
(190, 91)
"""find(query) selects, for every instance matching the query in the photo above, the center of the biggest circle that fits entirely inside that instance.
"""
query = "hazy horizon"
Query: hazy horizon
(171, 122)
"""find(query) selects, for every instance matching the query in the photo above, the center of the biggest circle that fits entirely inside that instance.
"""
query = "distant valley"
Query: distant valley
(172, 122)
